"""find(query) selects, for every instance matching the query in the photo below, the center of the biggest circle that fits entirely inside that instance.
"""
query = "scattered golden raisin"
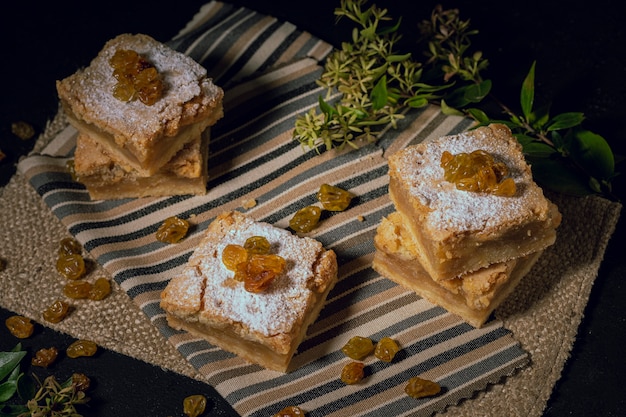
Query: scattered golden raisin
(20, 326)
(100, 289)
(334, 198)
(81, 348)
(45, 357)
(136, 78)
(386, 349)
(194, 405)
(56, 311)
(71, 266)
(69, 246)
(358, 348)
(477, 172)
(290, 411)
(248, 204)
(81, 382)
(22, 130)
(172, 230)
(305, 219)
(353, 372)
(419, 388)
(77, 289)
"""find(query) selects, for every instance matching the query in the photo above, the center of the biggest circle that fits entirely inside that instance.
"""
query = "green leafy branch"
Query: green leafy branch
(564, 156)
(370, 85)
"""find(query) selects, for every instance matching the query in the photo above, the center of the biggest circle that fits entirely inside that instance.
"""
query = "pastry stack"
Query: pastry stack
(149, 142)
(462, 249)
(263, 326)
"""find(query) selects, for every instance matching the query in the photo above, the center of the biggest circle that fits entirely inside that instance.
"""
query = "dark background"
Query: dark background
(581, 66)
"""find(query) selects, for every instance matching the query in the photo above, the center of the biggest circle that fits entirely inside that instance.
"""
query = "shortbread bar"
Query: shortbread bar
(262, 327)
(185, 173)
(472, 296)
(459, 231)
(144, 137)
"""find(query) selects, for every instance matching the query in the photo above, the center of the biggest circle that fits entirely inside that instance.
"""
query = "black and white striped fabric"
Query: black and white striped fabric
(268, 70)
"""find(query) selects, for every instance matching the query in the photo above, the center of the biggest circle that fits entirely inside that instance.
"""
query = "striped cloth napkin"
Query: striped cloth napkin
(268, 70)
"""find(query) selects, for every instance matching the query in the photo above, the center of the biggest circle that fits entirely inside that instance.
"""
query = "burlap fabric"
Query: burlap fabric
(543, 316)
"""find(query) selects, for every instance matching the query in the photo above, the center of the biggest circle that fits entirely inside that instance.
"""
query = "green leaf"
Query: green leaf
(379, 94)
(527, 96)
(475, 93)
(565, 121)
(524, 139)
(448, 110)
(417, 102)
(390, 29)
(592, 153)
(557, 140)
(9, 410)
(9, 361)
(7, 390)
(554, 174)
(540, 118)
(478, 115)
(538, 149)
(326, 108)
(398, 58)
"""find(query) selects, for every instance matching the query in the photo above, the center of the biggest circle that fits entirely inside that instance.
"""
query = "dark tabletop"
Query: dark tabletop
(581, 66)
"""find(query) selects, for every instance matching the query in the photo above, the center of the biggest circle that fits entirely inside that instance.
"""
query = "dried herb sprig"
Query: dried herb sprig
(54, 399)
(369, 84)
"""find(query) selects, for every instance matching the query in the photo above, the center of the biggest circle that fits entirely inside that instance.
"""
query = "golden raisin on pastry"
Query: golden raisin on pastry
(253, 263)
(477, 171)
(136, 78)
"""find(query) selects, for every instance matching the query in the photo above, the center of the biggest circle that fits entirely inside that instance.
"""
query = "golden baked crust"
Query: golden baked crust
(460, 231)
(185, 173)
(144, 137)
(472, 296)
(264, 328)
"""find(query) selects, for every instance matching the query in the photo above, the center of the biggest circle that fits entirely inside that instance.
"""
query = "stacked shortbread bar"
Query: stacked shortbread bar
(129, 147)
(265, 327)
(463, 250)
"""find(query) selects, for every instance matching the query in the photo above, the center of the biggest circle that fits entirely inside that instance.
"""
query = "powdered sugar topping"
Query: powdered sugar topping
(183, 80)
(418, 167)
(274, 310)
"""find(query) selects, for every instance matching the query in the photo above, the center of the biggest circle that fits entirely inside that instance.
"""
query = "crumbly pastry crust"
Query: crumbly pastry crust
(185, 173)
(144, 137)
(473, 296)
(264, 328)
(410, 275)
(460, 231)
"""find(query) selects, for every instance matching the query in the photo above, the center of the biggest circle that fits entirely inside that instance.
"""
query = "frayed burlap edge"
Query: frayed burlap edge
(544, 312)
